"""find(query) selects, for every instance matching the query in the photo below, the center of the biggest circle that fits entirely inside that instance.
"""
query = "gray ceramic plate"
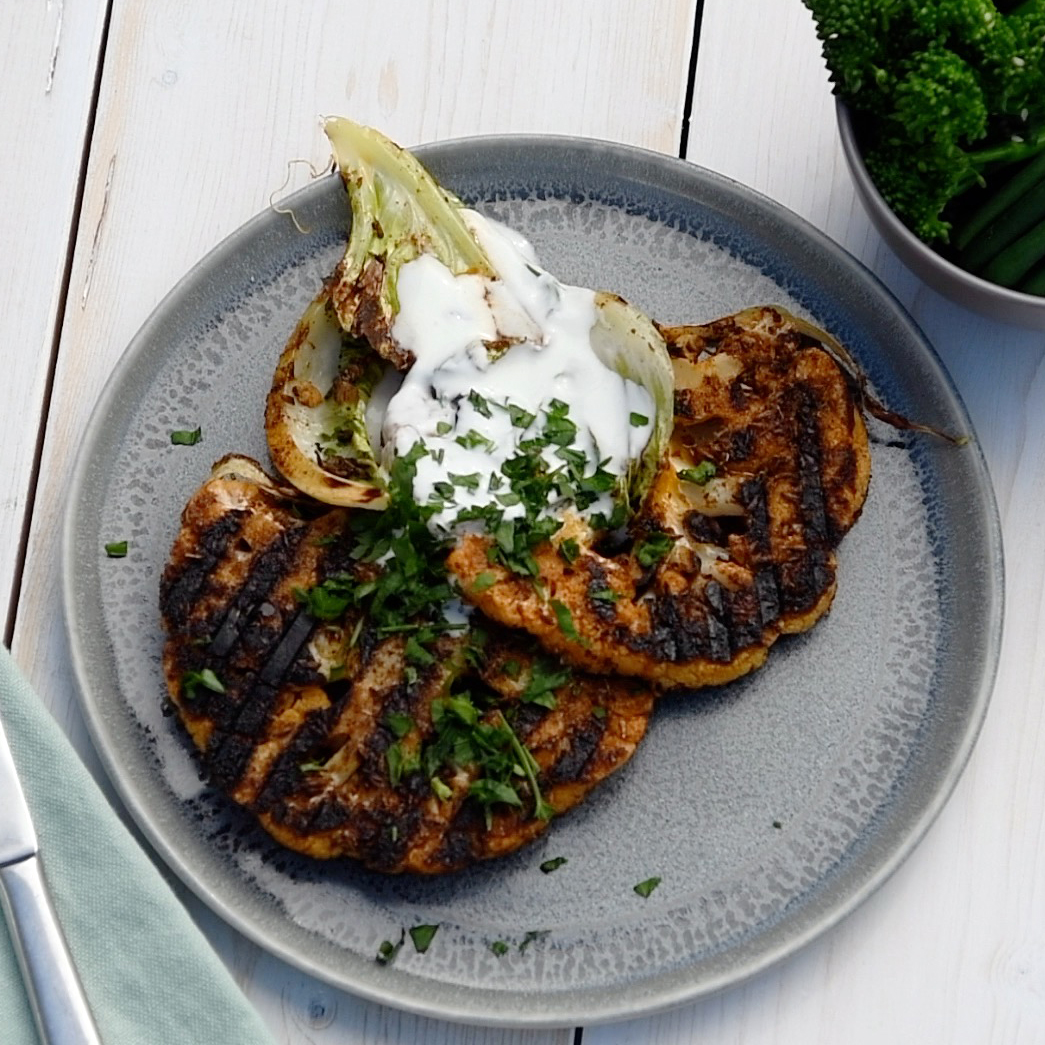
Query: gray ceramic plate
(769, 808)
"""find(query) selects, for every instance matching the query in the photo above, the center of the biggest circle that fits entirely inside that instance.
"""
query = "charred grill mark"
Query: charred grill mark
(268, 568)
(767, 594)
(741, 444)
(584, 743)
(807, 441)
(744, 614)
(753, 500)
(459, 845)
(599, 591)
(226, 760)
(704, 528)
(309, 744)
(180, 588)
(287, 650)
(718, 632)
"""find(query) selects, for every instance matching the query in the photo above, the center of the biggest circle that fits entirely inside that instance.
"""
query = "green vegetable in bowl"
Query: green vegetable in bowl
(948, 98)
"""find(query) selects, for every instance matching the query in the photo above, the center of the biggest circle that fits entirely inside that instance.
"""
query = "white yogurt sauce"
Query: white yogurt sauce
(456, 327)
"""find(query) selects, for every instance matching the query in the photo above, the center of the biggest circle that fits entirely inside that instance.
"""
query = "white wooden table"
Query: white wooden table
(136, 136)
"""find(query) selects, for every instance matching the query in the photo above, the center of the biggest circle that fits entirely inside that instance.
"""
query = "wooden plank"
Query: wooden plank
(201, 108)
(950, 949)
(48, 58)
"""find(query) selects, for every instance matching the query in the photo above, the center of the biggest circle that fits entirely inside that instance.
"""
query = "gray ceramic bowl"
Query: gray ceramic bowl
(1009, 306)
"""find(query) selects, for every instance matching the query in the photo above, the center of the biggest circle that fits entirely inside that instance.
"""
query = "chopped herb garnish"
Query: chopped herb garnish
(399, 723)
(777, 824)
(116, 549)
(569, 549)
(441, 790)
(327, 601)
(638, 420)
(443, 428)
(473, 440)
(499, 947)
(545, 678)
(416, 653)
(607, 595)
(701, 475)
(469, 481)
(186, 437)
(401, 762)
(565, 621)
(489, 792)
(310, 767)
(192, 680)
(599, 711)
(531, 937)
(553, 865)
(558, 428)
(485, 579)
(519, 417)
(654, 548)
(386, 953)
(479, 403)
(422, 935)
(325, 540)
(647, 887)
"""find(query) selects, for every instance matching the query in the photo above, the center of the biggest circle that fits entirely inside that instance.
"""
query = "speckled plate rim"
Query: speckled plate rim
(846, 294)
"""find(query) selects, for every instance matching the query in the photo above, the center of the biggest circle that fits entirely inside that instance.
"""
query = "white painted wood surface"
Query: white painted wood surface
(201, 107)
(48, 56)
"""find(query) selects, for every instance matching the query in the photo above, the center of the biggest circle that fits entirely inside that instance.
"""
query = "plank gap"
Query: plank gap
(691, 79)
(56, 333)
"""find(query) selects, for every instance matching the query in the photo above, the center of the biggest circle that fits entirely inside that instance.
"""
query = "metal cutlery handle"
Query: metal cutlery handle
(59, 1005)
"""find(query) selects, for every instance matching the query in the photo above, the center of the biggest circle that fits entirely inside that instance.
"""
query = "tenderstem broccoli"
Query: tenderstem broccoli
(948, 100)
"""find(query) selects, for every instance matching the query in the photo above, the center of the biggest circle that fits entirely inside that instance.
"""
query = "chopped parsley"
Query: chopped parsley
(654, 548)
(545, 678)
(191, 681)
(531, 937)
(386, 953)
(186, 437)
(637, 420)
(479, 403)
(485, 579)
(647, 887)
(499, 947)
(468, 482)
(422, 936)
(473, 440)
(519, 417)
(554, 864)
(116, 549)
(569, 549)
(701, 475)
(564, 619)
(558, 428)
(399, 723)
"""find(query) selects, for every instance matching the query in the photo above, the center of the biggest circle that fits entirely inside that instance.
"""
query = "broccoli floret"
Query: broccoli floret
(943, 92)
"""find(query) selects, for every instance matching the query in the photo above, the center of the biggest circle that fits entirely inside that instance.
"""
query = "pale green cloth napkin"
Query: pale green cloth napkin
(149, 973)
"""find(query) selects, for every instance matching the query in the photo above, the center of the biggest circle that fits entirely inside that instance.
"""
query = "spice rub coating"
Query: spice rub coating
(767, 470)
(345, 741)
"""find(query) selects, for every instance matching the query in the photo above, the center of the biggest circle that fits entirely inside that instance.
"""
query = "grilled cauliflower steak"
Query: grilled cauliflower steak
(767, 469)
(346, 739)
